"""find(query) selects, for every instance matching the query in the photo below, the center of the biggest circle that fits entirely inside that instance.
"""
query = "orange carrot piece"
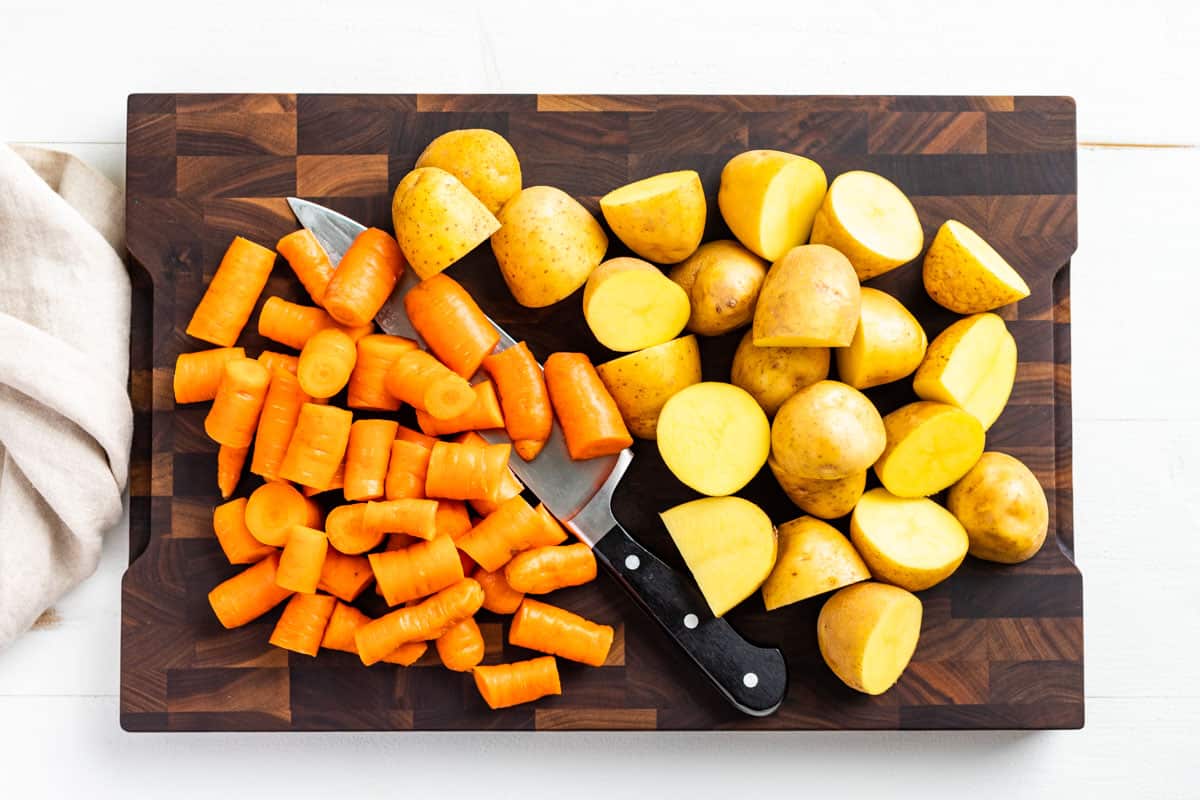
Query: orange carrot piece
(364, 278)
(275, 361)
(346, 531)
(461, 646)
(407, 467)
(308, 260)
(326, 363)
(406, 654)
(550, 629)
(546, 569)
(417, 570)
(484, 414)
(409, 515)
(367, 455)
(274, 508)
(427, 620)
(505, 685)
(345, 577)
(277, 423)
(510, 487)
(233, 417)
(230, 461)
(419, 379)
(343, 622)
(416, 437)
(451, 323)
(502, 534)
(498, 596)
(238, 544)
(367, 387)
(398, 541)
(586, 411)
(302, 559)
(452, 519)
(302, 624)
(468, 563)
(552, 530)
(318, 445)
(293, 324)
(197, 375)
(249, 594)
(231, 294)
(466, 471)
(523, 397)
(337, 482)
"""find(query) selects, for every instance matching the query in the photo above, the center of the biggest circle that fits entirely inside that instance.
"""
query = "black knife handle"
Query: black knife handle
(753, 678)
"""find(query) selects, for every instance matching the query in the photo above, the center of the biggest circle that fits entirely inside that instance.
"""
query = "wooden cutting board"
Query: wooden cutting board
(1001, 646)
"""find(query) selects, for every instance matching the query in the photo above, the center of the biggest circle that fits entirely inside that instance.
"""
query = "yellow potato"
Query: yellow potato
(888, 343)
(482, 159)
(810, 298)
(966, 275)
(825, 499)
(773, 374)
(713, 437)
(437, 220)
(728, 544)
(867, 634)
(547, 246)
(911, 542)
(930, 445)
(828, 431)
(722, 280)
(630, 304)
(973, 365)
(661, 218)
(1003, 508)
(642, 382)
(769, 198)
(868, 218)
(814, 558)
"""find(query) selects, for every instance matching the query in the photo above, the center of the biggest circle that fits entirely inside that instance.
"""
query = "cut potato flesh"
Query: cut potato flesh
(929, 446)
(630, 305)
(966, 275)
(871, 221)
(814, 558)
(641, 383)
(972, 365)
(713, 437)
(728, 544)
(660, 218)
(867, 634)
(437, 220)
(769, 198)
(911, 542)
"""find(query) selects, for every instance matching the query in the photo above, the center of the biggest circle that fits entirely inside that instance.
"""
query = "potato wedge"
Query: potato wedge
(1003, 508)
(813, 558)
(930, 445)
(728, 544)
(867, 634)
(713, 437)
(437, 220)
(911, 542)
(641, 383)
(888, 343)
(868, 218)
(828, 431)
(661, 218)
(773, 374)
(825, 499)
(965, 274)
(630, 304)
(810, 298)
(722, 280)
(482, 159)
(769, 198)
(973, 365)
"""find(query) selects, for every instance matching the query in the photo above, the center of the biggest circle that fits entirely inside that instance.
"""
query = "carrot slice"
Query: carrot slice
(406, 654)
(547, 569)
(337, 482)
(345, 577)
(451, 323)
(231, 294)
(308, 260)
(303, 622)
(427, 620)
(293, 324)
(586, 411)
(367, 454)
(364, 278)
(197, 375)
(302, 559)
(550, 629)
(233, 417)
(498, 596)
(416, 437)
(502, 534)
(466, 471)
(343, 622)
(413, 516)
(274, 508)
(510, 487)
(249, 594)
(407, 467)
(419, 379)
(452, 519)
(238, 544)
(326, 363)
(523, 397)
(317, 447)
(416, 571)
(230, 461)
(367, 388)
(277, 423)
(461, 646)
(552, 530)
(275, 361)
(346, 531)
(505, 685)
(481, 416)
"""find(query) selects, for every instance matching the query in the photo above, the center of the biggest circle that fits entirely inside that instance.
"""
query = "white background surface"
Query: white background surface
(1133, 69)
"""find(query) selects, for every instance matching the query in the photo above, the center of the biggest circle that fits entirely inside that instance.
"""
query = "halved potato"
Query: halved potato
(814, 558)
(722, 280)
(828, 430)
(911, 542)
(769, 198)
(482, 159)
(661, 218)
(642, 382)
(1003, 508)
(810, 298)
(868, 218)
(728, 544)
(437, 220)
(973, 365)
(630, 304)
(867, 634)
(930, 445)
(713, 437)
(773, 374)
(966, 275)
(825, 499)
(888, 343)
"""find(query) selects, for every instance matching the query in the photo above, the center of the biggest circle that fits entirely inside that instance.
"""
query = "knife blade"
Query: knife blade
(579, 493)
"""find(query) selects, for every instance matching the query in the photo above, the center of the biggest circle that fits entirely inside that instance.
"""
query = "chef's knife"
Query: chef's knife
(579, 493)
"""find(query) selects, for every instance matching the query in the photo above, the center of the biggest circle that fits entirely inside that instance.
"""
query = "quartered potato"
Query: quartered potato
(661, 218)
(814, 558)
(438, 220)
(973, 365)
(641, 383)
(769, 198)
(966, 275)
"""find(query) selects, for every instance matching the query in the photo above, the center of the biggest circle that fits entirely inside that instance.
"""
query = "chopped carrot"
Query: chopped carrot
(238, 544)
(523, 396)
(234, 414)
(550, 629)
(346, 531)
(230, 461)
(274, 508)
(364, 278)
(346, 620)
(277, 423)
(552, 530)
(461, 646)
(345, 577)
(427, 620)
(407, 467)
(453, 519)
(338, 481)
(510, 487)
(409, 515)
(302, 624)
(466, 471)
(293, 324)
(586, 411)
(417, 570)
(451, 323)
(406, 654)
(302, 559)
(502, 534)
(308, 260)
(498, 596)
(506, 685)
(249, 594)
(197, 375)
(468, 563)
(273, 361)
(318, 445)
(419, 379)
(416, 437)
(398, 541)
(546, 569)
(367, 389)
(326, 362)
(481, 416)
(231, 294)
(367, 455)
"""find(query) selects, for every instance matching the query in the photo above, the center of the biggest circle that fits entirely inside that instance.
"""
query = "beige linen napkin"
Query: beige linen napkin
(65, 419)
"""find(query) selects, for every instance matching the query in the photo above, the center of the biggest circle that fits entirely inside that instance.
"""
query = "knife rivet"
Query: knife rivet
(750, 679)
(632, 562)
(690, 621)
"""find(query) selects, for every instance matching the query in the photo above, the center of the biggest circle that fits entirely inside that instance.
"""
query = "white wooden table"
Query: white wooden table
(66, 71)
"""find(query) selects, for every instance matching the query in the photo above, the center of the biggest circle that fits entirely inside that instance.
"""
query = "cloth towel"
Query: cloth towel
(65, 417)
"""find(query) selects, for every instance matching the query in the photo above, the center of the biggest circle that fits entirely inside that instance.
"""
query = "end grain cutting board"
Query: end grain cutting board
(1001, 647)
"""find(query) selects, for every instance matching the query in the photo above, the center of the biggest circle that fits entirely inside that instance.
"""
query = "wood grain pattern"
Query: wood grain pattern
(1001, 647)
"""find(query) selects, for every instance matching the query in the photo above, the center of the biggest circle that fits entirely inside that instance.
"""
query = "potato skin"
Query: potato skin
(888, 343)
(824, 499)
(641, 383)
(844, 634)
(813, 558)
(665, 227)
(722, 280)
(957, 276)
(1003, 508)
(437, 220)
(482, 159)
(773, 374)
(810, 298)
(828, 431)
